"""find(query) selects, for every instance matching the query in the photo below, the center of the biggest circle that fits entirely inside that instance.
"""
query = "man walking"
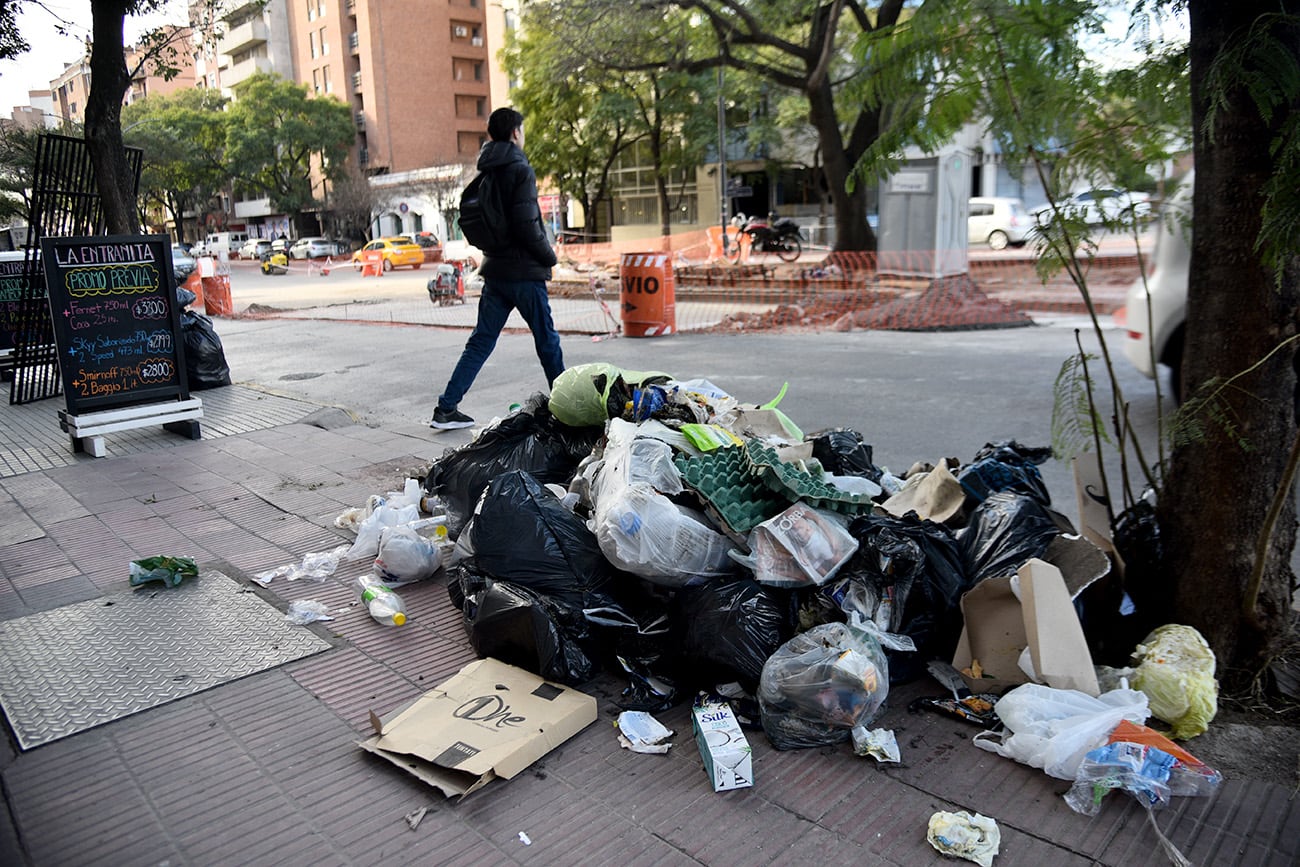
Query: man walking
(514, 274)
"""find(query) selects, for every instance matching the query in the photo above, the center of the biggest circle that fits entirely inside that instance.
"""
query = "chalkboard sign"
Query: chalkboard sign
(12, 286)
(116, 322)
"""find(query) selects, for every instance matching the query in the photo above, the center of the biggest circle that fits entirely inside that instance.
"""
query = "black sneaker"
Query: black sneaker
(450, 419)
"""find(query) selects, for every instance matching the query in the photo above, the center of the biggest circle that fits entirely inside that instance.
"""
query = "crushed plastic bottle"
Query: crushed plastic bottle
(385, 606)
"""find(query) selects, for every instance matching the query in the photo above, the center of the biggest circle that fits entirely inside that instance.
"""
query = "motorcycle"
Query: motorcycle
(275, 263)
(779, 235)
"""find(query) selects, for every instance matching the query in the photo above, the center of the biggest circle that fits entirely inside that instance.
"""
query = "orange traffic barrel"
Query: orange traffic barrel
(195, 284)
(216, 296)
(647, 294)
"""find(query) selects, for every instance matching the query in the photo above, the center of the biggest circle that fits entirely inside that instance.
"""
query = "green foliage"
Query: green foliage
(182, 137)
(276, 132)
(1076, 423)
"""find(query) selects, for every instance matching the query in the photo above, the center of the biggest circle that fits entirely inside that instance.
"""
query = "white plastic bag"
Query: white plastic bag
(405, 555)
(800, 547)
(1054, 729)
(367, 542)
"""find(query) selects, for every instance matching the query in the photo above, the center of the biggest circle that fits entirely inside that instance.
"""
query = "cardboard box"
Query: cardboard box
(489, 720)
(998, 626)
(728, 759)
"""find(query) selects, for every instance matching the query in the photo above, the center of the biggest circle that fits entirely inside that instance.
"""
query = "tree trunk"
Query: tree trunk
(108, 83)
(1212, 509)
(851, 229)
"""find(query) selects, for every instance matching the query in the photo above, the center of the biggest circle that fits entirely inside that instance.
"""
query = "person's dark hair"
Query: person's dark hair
(503, 122)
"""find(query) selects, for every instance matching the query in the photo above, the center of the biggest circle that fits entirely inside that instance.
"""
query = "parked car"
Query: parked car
(429, 244)
(280, 245)
(397, 252)
(183, 263)
(1100, 206)
(998, 221)
(1155, 311)
(313, 247)
(254, 248)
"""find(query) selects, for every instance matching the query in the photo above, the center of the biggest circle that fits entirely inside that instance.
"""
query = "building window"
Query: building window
(478, 71)
(481, 109)
(311, 10)
(325, 75)
(315, 81)
(311, 42)
(324, 43)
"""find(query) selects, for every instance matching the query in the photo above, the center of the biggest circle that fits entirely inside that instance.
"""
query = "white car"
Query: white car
(1155, 311)
(182, 263)
(254, 248)
(1100, 206)
(998, 222)
(312, 248)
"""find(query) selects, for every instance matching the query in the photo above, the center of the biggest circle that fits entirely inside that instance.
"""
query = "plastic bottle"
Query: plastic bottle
(385, 606)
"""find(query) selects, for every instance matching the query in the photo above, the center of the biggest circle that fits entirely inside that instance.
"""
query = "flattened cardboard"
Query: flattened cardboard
(998, 627)
(489, 720)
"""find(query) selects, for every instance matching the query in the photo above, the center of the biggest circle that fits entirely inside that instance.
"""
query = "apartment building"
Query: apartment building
(417, 76)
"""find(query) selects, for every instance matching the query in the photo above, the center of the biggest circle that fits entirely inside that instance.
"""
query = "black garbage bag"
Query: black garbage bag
(842, 452)
(1121, 609)
(184, 297)
(523, 534)
(636, 632)
(1006, 466)
(530, 439)
(914, 569)
(1004, 532)
(725, 630)
(528, 630)
(820, 684)
(205, 360)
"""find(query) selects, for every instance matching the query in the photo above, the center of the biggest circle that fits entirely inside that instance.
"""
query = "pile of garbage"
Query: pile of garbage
(667, 532)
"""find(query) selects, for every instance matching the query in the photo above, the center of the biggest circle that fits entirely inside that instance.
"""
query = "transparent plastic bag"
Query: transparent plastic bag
(639, 529)
(405, 555)
(820, 685)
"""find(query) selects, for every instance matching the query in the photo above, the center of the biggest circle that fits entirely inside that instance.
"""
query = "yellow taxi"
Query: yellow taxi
(396, 252)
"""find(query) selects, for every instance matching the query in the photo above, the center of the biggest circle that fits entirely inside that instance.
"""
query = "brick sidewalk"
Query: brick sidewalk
(265, 769)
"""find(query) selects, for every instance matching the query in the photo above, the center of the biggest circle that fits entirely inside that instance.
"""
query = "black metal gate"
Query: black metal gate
(65, 202)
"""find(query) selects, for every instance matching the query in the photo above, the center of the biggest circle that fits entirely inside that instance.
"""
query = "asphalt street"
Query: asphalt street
(913, 396)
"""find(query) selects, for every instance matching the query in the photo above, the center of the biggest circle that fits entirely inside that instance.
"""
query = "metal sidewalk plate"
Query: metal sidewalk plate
(79, 666)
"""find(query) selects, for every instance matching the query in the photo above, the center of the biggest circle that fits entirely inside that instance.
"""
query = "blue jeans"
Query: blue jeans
(499, 297)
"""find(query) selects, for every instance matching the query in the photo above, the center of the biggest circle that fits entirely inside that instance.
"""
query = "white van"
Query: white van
(227, 242)
(1155, 310)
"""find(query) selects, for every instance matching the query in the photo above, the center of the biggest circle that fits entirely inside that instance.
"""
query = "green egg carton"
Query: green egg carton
(795, 483)
(731, 493)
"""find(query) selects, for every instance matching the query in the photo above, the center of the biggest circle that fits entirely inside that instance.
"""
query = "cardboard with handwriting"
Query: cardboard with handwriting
(489, 720)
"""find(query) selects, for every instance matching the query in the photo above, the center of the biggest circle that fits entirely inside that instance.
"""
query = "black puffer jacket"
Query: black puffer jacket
(529, 255)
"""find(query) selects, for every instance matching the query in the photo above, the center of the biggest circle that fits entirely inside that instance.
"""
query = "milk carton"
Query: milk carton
(726, 752)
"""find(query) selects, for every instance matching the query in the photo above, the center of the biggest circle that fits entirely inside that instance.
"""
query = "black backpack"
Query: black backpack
(482, 219)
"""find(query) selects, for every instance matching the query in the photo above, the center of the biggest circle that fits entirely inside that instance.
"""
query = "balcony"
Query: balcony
(253, 208)
(244, 36)
(239, 71)
(356, 82)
